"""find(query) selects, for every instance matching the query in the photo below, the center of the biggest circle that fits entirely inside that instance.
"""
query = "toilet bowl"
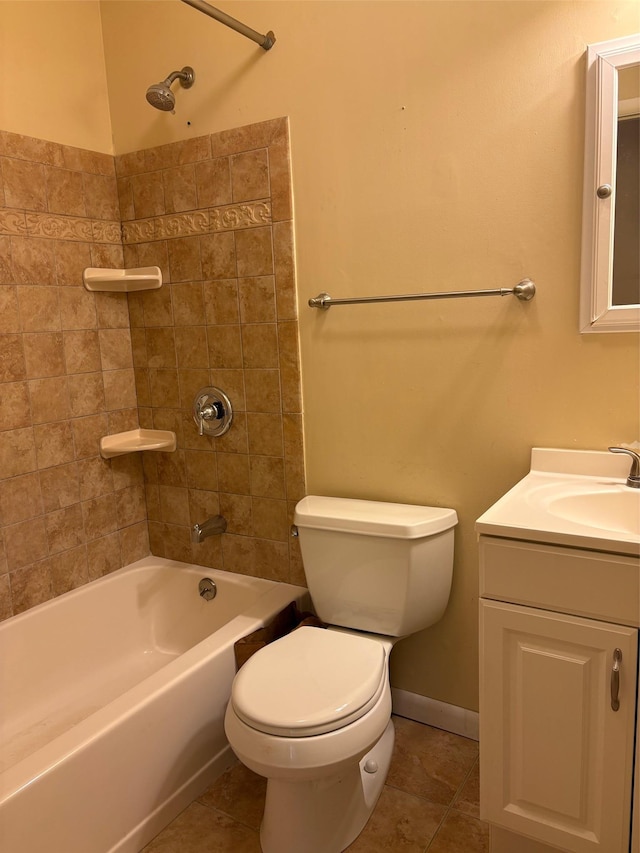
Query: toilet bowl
(312, 711)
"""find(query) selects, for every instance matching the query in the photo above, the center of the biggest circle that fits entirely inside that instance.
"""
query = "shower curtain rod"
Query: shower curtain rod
(524, 290)
(265, 41)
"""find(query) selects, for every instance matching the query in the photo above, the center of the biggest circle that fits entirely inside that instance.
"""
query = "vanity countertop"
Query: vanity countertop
(576, 498)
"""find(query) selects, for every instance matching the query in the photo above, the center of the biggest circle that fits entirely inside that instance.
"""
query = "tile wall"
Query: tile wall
(215, 213)
(66, 377)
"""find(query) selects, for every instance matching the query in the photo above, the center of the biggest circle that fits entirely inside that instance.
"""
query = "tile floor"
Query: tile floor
(429, 804)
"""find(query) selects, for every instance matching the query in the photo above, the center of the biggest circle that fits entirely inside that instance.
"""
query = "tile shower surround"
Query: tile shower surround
(215, 213)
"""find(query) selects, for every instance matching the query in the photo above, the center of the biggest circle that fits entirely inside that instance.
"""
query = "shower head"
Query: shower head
(160, 95)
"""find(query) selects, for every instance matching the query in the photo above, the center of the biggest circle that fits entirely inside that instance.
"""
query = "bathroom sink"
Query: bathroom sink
(577, 498)
(609, 509)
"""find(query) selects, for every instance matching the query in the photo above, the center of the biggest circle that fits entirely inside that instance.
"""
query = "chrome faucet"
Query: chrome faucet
(211, 527)
(633, 480)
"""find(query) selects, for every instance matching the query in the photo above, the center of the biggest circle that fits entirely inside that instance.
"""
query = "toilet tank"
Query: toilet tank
(373, 566)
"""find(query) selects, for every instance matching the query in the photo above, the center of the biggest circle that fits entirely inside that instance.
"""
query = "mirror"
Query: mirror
(610, 276)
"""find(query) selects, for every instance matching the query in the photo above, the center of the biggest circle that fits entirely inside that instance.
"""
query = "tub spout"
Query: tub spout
(211, 527)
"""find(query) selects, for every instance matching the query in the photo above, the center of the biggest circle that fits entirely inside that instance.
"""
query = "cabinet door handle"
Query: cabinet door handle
(615, 679)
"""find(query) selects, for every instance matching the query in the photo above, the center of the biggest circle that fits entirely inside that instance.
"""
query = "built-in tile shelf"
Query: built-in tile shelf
(122, 281)
(137, 439)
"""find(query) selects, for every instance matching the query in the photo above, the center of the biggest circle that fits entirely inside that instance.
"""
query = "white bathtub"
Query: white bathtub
(112, 701)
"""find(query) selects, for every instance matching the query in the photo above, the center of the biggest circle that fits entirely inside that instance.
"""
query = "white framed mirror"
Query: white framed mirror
(610, 280)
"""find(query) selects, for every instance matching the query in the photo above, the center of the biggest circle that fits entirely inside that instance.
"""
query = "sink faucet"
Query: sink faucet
(211, 527)
(633, 480)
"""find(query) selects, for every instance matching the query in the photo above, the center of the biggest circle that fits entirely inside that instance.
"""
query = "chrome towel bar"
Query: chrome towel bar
(525, 290)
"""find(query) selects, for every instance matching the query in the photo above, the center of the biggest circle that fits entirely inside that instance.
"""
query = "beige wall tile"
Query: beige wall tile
(134, 543)
(115, 348)
(12, 361)
(65, 528)
(17, 452)
(112, 310)
(191, 347)
(65, 192)
(213, 182)
(260, 345)
(69, 570)
(254, 252)
(202, 472)
(25, 543)
(250, 175)
(9, 311)
(101, 196)
(158, 307)
(188, 304)
(284, 263)
(86, 394)
(44, 354)
(103, 556)
(180, 189)
(225, 346)
(33, 261)
(119, 389)
(15, 409)
(270, 519)
(257, 299)
(87, 433)
(184, 259)
(53, 443)
(131, 506)
(60, 486)
(148, 194)
(233, 473)
(77, 308)
(71, 259)
(267, 477)
(20, 498)
(99, 516)
(218, 255)
(262, 390)
(31, 586)
(24, 185)
(265, 433)
(221, 302)
(49, 399)
(39, 308)
(81, 351)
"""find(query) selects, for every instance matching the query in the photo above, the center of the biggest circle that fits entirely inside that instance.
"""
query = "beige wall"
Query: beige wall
(52, 73)
(435, 146)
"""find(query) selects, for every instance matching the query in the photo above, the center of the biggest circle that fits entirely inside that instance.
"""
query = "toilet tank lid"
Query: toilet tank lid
(373, 518)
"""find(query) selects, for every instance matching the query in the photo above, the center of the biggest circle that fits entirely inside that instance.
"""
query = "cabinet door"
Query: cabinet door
(556, 761)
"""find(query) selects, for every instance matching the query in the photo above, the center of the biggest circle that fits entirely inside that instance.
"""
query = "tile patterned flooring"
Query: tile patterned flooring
(429, 804)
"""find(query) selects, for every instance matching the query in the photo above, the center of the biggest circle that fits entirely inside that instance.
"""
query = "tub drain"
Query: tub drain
(207, 589)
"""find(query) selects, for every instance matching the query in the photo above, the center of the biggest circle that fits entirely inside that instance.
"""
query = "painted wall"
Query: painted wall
(52, 74)
(435, 146)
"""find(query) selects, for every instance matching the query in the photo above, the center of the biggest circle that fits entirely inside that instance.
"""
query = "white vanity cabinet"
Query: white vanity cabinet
(558, 695)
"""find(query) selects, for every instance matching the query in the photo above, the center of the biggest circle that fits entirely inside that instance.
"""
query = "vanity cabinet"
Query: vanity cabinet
(558, 694)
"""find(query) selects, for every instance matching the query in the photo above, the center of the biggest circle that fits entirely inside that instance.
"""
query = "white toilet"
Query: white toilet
(312, 711)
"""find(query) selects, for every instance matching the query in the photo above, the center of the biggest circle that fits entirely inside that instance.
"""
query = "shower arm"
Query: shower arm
(265, 41)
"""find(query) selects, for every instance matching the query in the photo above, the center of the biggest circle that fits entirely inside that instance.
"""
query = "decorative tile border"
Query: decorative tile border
(231, 217)
(20, 224)
(12, 222)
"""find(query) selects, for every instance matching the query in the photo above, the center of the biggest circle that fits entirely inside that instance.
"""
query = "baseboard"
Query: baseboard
(451, 718)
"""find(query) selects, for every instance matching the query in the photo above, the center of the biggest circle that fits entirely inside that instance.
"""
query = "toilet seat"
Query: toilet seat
(310, 682)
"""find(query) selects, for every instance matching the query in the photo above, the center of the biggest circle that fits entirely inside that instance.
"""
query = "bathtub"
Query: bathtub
(112, 700)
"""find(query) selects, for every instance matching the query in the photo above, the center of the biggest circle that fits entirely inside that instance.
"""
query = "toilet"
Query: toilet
(311, 711)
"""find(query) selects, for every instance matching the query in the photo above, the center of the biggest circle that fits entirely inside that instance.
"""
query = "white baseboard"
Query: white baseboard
(451, 718)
